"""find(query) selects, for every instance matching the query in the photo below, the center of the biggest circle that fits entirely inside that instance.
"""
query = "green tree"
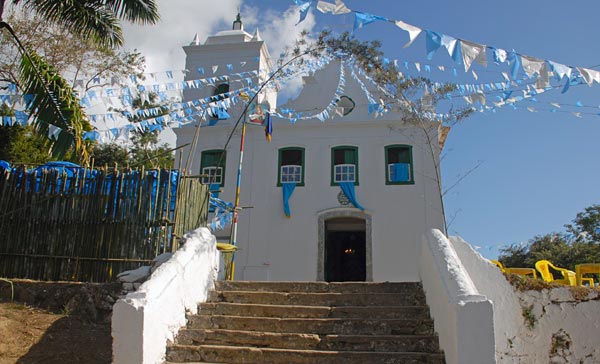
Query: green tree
(586, 226)
(19, 144)
(110, 154)
(578, 245)
(81, 62)
(148, 153)
(94, 20)
(54, 103)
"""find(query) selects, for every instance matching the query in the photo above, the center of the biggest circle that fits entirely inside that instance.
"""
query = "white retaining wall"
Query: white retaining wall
(565, 325)
(463, 317)
(145, 320)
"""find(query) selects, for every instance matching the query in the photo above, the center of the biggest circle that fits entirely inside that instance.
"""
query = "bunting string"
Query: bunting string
(463, 52)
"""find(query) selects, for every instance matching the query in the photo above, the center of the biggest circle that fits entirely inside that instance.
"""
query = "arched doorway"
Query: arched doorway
(344, 246)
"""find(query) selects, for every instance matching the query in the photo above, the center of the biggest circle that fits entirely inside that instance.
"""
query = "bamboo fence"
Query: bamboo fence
(90, 225)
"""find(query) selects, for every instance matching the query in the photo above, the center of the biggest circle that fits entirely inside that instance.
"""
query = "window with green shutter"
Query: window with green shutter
(291, 166)
(344, 165)
(212, 166)
(399, 165)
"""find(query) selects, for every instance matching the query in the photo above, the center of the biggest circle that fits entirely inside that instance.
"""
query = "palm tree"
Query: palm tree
(54, 103)
(94, 20)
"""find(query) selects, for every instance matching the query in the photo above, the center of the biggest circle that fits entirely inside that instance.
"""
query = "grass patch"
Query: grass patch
(529, 317)
(529, 284)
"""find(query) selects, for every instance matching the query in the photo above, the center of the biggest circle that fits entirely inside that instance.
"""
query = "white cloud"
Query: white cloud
(280, 31)
(162, 43)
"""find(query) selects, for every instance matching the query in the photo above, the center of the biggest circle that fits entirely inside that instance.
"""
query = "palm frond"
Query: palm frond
(54, 103)
(134, 11)
(91, 20)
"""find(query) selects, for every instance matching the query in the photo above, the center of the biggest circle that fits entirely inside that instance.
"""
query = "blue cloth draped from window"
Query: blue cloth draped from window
(348, 189)
(400, 172)
(288, 189)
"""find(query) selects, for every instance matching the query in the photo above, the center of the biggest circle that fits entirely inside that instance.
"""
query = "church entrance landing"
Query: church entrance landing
(344, 246)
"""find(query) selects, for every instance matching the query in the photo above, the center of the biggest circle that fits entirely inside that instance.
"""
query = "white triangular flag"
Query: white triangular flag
(543, 80)
(560, 69)
(325, 7)
(413, 32)
(449, 43)
(589, 75)
(341, 8)
(53, 131)
(531, 65)
(470, 51)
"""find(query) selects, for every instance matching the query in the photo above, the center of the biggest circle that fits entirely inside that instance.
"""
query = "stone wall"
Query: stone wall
(549, 324)
(92, 301)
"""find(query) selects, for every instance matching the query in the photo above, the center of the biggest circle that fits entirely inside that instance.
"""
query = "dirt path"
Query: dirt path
(30, 336)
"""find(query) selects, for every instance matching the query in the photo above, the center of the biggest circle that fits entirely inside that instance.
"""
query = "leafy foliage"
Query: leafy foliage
(580, 245)
(82, 62)
(110, 155)
(95, 20)
(148, 153)
(145, 152)
(55, 104)
(21, 145)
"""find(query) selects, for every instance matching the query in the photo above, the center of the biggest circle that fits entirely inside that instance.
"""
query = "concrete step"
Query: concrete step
(297, 311)
(411, 298)
(321, 326)
(245, 354)
(319, 287)
(296, 341)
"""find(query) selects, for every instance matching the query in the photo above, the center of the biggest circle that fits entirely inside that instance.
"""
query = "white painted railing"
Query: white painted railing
(145, 320)
(464, 319)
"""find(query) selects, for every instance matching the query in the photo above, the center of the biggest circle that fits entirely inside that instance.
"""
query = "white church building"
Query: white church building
(387, 164)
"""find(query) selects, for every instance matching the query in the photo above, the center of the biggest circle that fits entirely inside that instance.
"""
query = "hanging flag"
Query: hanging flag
(500, 55)
(413, 32)
(304, 10)
(560, 70)
(470, 52)
(338, 8)
(449, 43)
(432, 43)
(53, 131)
(515, 64)
(268, 127)
(589, 75)
(362, 19)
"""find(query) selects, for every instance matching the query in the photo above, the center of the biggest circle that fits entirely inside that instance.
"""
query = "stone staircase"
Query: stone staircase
(310, 322)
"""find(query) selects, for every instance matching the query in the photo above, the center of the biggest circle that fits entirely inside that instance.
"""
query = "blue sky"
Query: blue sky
(537, 169)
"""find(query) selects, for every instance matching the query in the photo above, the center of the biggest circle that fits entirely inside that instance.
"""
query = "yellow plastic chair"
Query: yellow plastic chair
(525, 272)
(543, 266)
(589, 280)
(498, 264)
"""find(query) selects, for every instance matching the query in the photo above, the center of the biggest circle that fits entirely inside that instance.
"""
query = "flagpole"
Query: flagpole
(234, 226)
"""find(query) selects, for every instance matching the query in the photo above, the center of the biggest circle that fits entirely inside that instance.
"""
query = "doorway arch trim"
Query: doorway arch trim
(323, 216)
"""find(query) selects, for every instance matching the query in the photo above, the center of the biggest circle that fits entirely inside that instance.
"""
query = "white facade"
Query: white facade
(274, 247)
